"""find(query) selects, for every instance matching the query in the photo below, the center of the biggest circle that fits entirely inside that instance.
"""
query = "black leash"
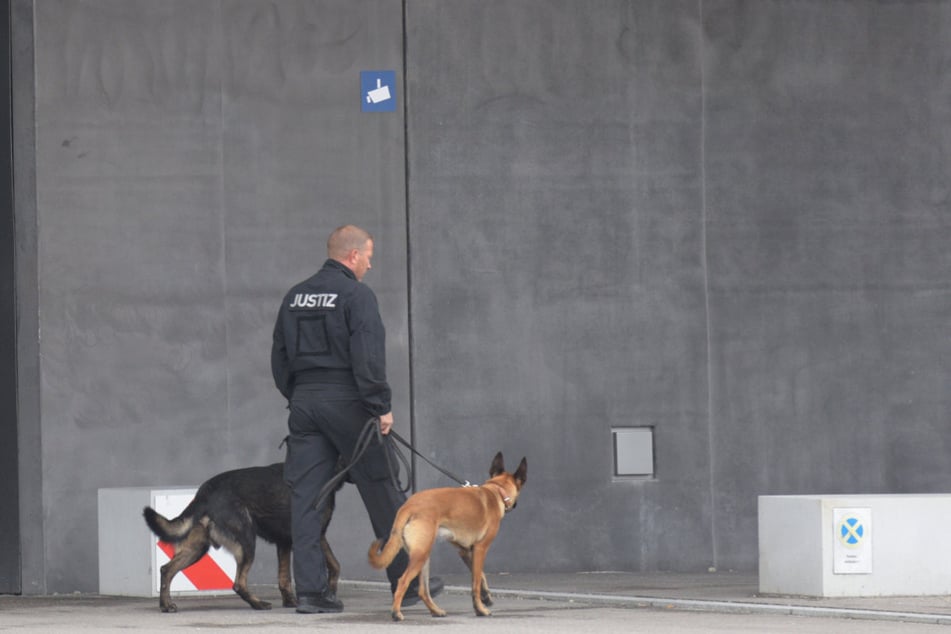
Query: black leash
(446, 473)
(369, 433)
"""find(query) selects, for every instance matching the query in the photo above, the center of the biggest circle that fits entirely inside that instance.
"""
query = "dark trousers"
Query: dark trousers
(323, 425)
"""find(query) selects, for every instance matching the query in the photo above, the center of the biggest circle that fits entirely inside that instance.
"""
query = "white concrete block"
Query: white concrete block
(854, 545)
(130, 556)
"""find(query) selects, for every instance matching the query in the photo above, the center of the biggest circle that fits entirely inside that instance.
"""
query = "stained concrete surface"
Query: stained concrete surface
(602, 602)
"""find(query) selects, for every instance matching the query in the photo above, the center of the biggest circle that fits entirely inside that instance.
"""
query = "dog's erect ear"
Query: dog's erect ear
(521, 473)
(498, 465)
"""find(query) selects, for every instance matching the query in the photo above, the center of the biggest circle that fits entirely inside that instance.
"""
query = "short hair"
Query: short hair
(345, 239)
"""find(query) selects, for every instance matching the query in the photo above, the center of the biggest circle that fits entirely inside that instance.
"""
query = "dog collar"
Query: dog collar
(506, 500)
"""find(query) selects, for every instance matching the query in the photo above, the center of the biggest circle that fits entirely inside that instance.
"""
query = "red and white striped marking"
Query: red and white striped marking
(213, 572)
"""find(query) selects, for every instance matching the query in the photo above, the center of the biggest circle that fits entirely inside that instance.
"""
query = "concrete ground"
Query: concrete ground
(604, 602)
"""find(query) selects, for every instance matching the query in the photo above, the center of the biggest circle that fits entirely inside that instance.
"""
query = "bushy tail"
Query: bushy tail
(381, 555)
(171, 531)
(383, 558)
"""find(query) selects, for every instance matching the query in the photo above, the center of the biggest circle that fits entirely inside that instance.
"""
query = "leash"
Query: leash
(369, 433)
(448, 474)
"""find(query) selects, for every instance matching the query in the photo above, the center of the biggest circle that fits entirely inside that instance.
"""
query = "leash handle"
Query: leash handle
(371, 431)
(389, 447)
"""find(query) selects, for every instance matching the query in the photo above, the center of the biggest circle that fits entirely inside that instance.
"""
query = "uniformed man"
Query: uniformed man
(329, 360)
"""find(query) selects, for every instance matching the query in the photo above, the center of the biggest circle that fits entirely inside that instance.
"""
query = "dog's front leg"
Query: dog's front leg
(478, 577)
(333, 566)
(244, 558)
(288, 599)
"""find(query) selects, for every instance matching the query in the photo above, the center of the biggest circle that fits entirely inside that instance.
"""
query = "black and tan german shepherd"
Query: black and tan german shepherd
(230, 510)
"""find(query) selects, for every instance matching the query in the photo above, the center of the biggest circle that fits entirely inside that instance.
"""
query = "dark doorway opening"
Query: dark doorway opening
(10, 556)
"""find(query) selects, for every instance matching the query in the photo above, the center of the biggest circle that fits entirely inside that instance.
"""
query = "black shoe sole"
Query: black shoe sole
(318, 610)
(412, 598)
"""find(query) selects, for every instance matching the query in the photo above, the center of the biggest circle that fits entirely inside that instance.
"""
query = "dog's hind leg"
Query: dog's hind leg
(418, 540)
(333, 566)
(424, 594)
(284, 576)
(466, 554)
(187, 552)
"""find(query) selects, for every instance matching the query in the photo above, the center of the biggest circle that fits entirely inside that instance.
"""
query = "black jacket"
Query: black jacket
(329, 331)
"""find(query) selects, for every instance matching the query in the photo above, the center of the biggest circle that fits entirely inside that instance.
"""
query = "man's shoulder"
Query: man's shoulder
(361, 292)
(333, 281)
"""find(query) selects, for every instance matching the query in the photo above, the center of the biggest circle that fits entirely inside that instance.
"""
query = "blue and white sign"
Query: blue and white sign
(378, 90)
(852, 549)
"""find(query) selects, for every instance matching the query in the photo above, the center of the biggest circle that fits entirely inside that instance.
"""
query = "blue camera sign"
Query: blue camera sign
(378, 90)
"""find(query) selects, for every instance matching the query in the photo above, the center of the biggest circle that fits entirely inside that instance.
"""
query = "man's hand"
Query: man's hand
(386, 421)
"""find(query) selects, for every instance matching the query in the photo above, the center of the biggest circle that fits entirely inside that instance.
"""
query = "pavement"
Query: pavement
(569, 602)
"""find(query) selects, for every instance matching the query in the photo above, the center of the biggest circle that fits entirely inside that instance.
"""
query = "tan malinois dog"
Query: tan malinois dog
(468, 517)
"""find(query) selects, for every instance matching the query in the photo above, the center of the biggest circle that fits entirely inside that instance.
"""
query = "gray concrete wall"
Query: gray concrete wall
(725, 220)
(828, 205)
(191, 160)
(557, 267)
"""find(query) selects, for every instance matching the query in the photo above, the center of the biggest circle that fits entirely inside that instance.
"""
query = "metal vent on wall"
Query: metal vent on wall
(633, 452)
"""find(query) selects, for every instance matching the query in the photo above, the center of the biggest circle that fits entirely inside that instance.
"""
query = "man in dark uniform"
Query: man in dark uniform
(329, 360)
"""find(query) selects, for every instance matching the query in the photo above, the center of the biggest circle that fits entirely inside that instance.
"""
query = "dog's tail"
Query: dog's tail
(171, 531)
(381, 555)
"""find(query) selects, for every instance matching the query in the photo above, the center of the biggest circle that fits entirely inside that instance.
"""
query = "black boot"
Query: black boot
(412, 592)
(319, 603)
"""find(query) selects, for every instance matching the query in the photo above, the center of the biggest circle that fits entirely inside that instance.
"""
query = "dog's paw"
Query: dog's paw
(169, 607)
(261, 605)
(397, 615)
(437, 614)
